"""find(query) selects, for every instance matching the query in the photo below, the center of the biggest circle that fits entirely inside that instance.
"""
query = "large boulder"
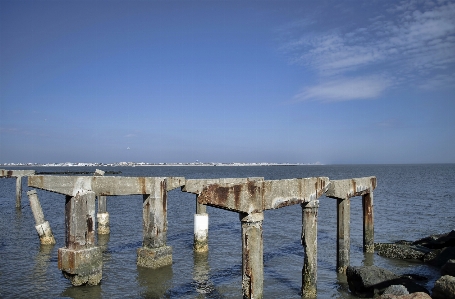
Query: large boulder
(439, 257)
(401, 251)
(418, 295)
(448, 268)
(437, 241)
(366, 281)
(444, 288)
(396, 289)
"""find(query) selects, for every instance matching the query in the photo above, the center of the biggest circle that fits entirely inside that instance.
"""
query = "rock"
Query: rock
(396, 289)
(440, 256)
(401, 251)
(448, 268)
(366, 281)
(418, 295)
(437, 241)
(444, 288)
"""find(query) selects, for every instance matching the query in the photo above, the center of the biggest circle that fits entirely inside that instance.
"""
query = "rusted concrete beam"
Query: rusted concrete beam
(351, 187)
(252, 255)
(201, 218)
(101, 185)
(81, 260)
(257, 196)
(309, 243)
(42, 226)
(15, 173)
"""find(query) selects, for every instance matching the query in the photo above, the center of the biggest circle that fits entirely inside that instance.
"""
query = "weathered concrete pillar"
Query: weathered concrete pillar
(42, 226)
(80, 261)
(18, 191)
(252, 255)
(343, 233)
(368, 222)
(201, 228)
(103, 216)
(309, 242)
(154, 252)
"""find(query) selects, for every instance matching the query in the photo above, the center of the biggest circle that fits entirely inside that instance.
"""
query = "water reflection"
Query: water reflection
(201, 277)
(103, 240)
(85, 291)
(154, 282)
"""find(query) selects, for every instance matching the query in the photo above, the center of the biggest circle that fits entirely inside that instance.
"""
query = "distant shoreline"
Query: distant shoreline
(133, 164)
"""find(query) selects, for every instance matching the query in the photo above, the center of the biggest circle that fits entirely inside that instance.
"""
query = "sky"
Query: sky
(328, 81)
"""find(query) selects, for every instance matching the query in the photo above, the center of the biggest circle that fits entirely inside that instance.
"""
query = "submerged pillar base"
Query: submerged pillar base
(103, 223)
(83, 266)
(154, 257)
(45, 234)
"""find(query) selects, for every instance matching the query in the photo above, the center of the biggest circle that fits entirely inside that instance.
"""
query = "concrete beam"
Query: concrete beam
(101, 185)
(257, 196)
(15, 173)
(343, 189)
(196, 186)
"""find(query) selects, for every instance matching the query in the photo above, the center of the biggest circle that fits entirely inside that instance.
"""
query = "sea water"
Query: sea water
(410, 202)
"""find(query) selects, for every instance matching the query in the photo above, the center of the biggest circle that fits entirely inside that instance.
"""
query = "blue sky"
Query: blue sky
(227, 81)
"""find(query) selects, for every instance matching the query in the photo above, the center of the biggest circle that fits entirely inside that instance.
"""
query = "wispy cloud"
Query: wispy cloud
(412, 42)
(344, 90)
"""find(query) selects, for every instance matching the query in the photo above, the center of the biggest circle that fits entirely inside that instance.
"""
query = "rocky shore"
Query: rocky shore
(435, 250)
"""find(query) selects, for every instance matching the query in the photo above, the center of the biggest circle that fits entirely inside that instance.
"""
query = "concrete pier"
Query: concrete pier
(310, 246)
(201, 228)
(102, 216)
(252, 255)
(81, 260)
(343, 191)
(154, 252)
(18, 174)
(42, 226)
(368, 222)
(250, 198)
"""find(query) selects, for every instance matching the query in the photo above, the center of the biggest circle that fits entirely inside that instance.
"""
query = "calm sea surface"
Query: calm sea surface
(410, 202)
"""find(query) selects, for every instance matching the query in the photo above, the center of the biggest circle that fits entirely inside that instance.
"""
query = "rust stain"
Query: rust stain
(142, 184)
(354, 186)
(9, 173)
(237, 191)
(89, 224)
(373, 182)
(164, 195)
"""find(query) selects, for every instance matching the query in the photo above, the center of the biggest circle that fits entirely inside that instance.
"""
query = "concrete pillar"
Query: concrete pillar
(80, 261)
(103, 216)
(343, 234)
(18, 191)
(252, 255)
(309, 242)
(154, 252)
(42, 226)
(201, 228)
(368, 222)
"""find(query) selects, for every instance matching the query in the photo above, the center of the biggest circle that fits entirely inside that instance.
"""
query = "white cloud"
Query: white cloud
(344, 90)
(409, 43)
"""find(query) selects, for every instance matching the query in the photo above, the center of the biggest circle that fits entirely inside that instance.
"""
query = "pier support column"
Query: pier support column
(343, 233)
(201, 228)
(309, 242)
(368, 222)
(80, 261)
(18, 191)
(103, 216)
(42, 226)
(154, 252)
(252, 255)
